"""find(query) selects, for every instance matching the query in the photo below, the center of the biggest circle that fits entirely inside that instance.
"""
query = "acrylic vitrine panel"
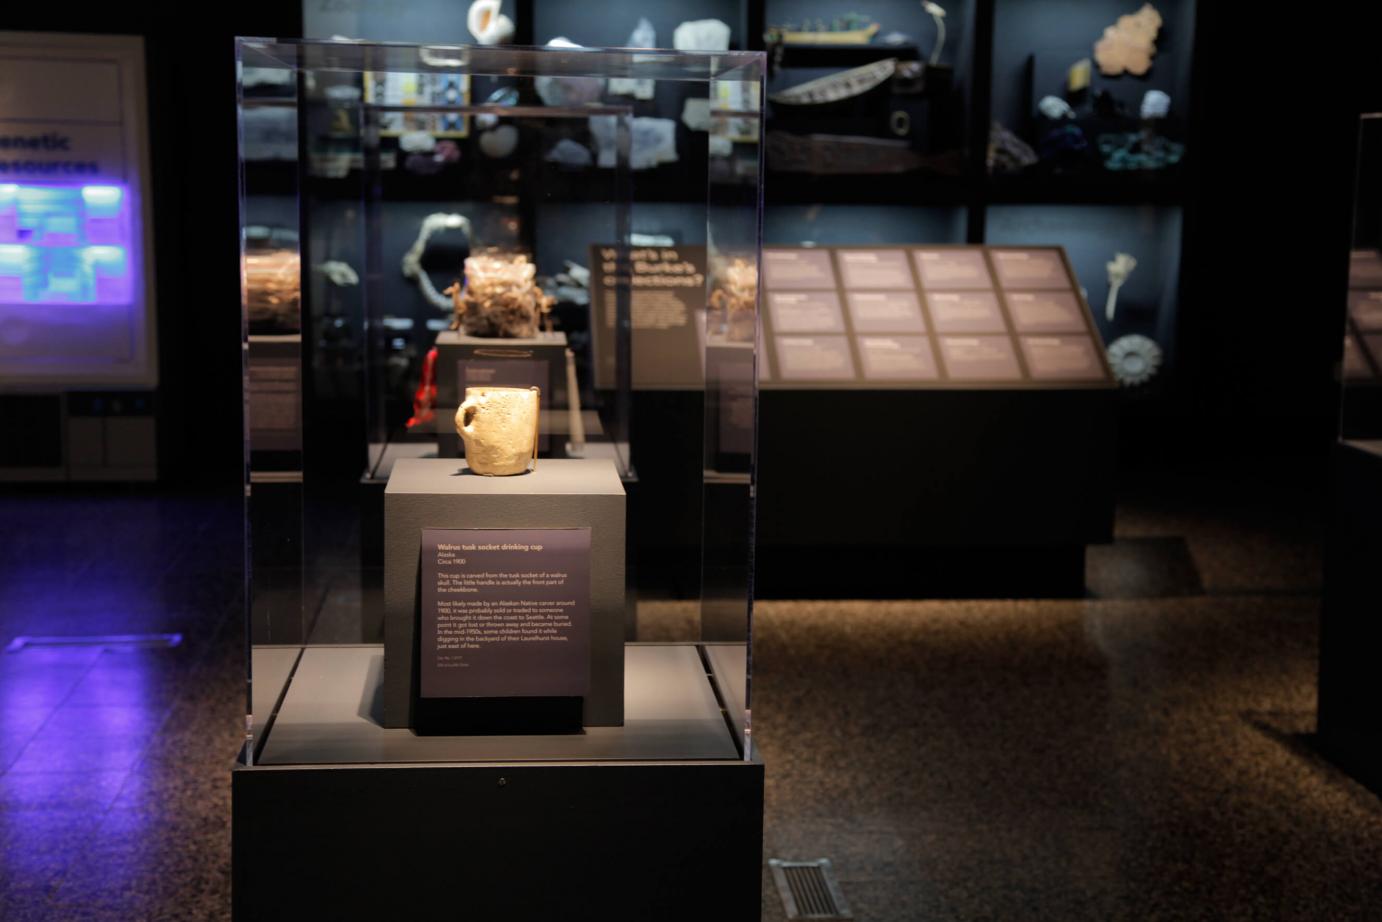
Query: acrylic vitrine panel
(424, 221)
(1360, 368)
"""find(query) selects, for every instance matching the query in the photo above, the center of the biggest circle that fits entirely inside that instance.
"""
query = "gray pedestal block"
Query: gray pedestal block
(440, 493)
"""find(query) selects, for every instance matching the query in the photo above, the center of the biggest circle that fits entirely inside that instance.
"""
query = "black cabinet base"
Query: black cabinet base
(1350, 720)
(529, 841)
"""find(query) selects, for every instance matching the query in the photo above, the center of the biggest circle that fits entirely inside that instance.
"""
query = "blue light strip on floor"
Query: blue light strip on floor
(20, 643)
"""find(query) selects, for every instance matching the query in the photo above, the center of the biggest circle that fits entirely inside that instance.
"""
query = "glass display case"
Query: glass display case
(1350, 732)
(464, 547)
(1360, 370)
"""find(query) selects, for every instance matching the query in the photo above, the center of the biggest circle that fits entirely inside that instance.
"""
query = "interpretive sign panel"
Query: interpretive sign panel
(666, 291)
(505, 612)
(797, 269)
(901, 317)
(1030, 269)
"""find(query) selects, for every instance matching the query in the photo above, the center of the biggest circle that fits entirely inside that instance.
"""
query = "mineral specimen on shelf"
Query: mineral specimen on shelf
(1007, 153)
(499, 142)
(1078, 77)
(695, 113)
(500, 298)
(701, 35)
(417, 142)
(499, 426)
(504, 96)
(1155, 104)
(567, 152)
(568, 91)
(1139, 150)
(654, 142)
(735, 299)
(1064, 143)
(643, 36)
(1129, 44)
(487, 24)
(1134, 359)
(1053, 107)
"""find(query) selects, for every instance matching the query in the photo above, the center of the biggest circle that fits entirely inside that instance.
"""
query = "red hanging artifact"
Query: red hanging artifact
(424, 401)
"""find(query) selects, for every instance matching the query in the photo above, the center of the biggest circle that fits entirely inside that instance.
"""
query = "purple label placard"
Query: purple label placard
(505, 612)
(813, 358)
(875, 269)
(980, 358)
(1041, 269)
(1062, 358)
(966, 312)
(798, 269)
(952, 269)
(1365, 307)
(1046, 312)
(806, 312)
(886, 312)
(898, 358)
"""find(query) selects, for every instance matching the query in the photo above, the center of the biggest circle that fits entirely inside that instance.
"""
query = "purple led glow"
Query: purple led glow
(65, 244)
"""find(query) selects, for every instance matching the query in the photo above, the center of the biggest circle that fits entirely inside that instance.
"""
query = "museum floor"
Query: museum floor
(1142, 753)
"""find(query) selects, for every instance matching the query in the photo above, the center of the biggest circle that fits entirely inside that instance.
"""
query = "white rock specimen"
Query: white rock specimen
(1053, 107)
(701, 35)
(487, 24)
(417, 142)
(695, 113)
(654, 143)
(1155, 104)
(499, 142)
(568, 91)
(643, 36)
(499, 428)
(569, 153)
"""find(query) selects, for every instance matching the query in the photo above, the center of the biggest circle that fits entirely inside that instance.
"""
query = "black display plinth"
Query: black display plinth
(343, 818)
(1350, 698)
(513, 842)
(928, 493)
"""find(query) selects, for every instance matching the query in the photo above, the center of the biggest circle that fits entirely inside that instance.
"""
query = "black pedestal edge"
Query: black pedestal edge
(529, 841)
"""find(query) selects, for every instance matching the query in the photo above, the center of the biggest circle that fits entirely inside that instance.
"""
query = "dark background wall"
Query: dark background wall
(1267, 224)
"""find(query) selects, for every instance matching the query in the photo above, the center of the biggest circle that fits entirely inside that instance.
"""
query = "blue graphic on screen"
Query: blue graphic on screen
(64, 244)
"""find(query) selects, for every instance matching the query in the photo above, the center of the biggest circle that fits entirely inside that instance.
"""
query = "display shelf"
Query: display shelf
(842, 56)
(1085, 189)
(901, 189)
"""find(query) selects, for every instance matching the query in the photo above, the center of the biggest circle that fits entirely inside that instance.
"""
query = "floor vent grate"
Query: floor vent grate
(117, 641)
(809, 889)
